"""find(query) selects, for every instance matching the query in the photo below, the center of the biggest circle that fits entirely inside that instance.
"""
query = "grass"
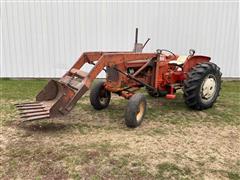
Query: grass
(169, 170)
(233, 176)
(173, 142)
(16, 91)
(172, 110)
(20, 90)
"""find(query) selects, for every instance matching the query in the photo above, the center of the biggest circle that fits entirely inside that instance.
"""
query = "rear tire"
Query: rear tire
(202, 86)
(135, 110)
(99, 96)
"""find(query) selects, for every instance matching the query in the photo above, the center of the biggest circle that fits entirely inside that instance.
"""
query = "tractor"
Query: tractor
(161, 73)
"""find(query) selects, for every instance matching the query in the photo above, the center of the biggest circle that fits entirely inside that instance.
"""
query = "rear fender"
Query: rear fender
(193, 61)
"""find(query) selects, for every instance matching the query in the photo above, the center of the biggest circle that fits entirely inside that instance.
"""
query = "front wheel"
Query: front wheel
(99, 96)
(202, 86)
(135, 110)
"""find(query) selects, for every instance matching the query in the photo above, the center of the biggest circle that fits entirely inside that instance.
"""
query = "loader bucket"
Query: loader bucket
(50, 102)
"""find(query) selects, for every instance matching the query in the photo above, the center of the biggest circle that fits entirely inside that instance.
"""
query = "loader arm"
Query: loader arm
(106, 59)
(59, 97)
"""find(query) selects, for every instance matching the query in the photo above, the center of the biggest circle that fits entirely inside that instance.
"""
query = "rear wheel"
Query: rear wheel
(202, 86)
(135, 110)
(99, 96)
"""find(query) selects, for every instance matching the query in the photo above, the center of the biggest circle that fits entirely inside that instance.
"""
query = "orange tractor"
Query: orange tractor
(161, 73)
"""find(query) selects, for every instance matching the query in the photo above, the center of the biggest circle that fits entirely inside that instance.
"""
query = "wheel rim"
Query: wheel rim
(141, 108)
(103, 97)
(208, 88)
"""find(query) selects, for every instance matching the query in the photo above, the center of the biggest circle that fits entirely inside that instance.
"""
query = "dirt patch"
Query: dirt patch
(214, 147)
(173, 142)
(48, 127)
(205, 149)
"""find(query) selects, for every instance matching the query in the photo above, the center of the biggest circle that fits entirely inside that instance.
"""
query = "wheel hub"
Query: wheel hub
(140, 111)
(103, 97)
(208, 88)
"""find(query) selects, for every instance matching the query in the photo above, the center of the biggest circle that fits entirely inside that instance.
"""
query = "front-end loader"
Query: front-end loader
(161, 73)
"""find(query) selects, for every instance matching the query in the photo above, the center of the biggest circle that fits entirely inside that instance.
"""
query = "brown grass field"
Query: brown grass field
(174, 142)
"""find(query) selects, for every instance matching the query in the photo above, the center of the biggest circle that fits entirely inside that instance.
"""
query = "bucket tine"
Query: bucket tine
(28, 105)
(31, 107)
(31, 111)
(36, 117)
(34, 114)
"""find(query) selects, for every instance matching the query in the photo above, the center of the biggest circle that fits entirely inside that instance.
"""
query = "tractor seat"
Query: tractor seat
(179, 62)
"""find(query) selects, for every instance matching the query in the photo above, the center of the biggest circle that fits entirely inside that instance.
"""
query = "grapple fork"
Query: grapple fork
(52, 101)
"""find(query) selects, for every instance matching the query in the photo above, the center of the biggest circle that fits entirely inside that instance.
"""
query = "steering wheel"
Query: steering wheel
(159, 51)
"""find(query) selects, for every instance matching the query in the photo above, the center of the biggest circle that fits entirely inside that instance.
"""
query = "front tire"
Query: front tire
(99, 96)
(202, 86)
(135, 110)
